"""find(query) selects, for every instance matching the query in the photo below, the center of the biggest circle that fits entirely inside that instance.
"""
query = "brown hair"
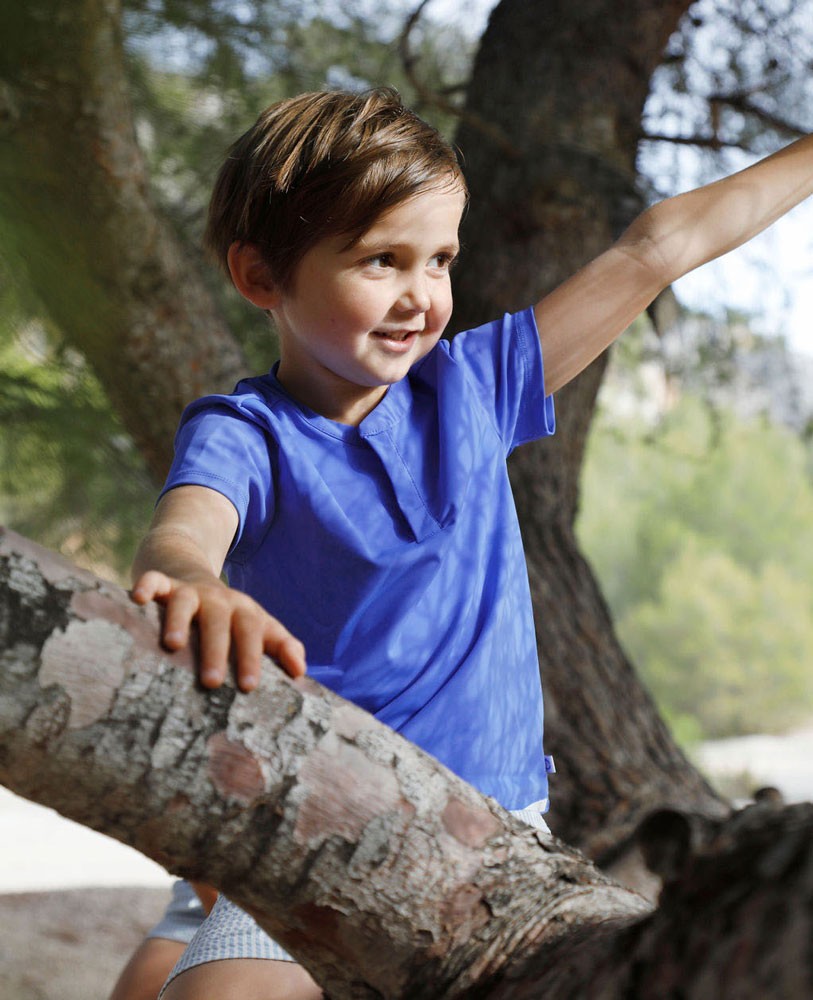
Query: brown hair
(320, 165)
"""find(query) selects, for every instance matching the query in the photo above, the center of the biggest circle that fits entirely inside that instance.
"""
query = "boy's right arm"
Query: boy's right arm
(581, 317)
(178, 564)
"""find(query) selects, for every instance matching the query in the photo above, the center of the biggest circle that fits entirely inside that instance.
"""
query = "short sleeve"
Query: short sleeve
(219, 447)
(504, 359)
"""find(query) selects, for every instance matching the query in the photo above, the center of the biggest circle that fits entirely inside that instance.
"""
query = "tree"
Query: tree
(75, 190)
(384, 873)
(550, 131)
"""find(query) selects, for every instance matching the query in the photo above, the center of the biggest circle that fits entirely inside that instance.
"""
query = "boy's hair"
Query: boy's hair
(318, 165)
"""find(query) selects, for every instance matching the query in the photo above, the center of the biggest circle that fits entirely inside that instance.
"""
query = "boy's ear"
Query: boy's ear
(251, 275)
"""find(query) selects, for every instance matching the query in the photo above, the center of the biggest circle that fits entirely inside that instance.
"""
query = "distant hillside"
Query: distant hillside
(725, 363)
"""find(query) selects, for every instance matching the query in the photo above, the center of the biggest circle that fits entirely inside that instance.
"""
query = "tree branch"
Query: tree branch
(741, 102)
(701, 141)
(383, 873)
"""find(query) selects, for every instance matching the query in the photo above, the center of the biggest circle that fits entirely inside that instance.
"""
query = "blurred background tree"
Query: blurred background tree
(698, 520)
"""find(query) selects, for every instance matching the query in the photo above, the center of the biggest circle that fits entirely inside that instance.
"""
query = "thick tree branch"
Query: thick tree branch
(385, 874)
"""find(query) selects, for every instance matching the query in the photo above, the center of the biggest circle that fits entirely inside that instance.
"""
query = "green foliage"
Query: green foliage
(199, 80)
(701, 532)
(69, 476)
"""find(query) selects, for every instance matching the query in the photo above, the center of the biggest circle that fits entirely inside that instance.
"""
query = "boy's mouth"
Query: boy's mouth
(396, 335)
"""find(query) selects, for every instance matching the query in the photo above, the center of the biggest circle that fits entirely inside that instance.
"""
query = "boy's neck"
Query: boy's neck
(342, 403)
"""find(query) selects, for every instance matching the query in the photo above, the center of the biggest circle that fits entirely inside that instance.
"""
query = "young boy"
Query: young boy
(357, 495)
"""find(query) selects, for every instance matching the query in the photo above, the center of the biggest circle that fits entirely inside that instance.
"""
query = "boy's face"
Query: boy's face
(355, 320)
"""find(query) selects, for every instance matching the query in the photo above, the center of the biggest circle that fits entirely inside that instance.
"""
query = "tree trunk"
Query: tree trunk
(385, 874)
(566, 84)
(78, 217)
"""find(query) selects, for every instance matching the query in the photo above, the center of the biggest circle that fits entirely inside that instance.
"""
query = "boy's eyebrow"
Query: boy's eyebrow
(452, 247)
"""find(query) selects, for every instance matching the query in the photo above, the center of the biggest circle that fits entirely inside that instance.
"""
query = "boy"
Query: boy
(357, 494)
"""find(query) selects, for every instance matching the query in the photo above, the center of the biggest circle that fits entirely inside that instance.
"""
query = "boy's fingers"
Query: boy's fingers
(215, 639)
(287, 650)
(181, 608)
(150, 586)
(222, 622)
(248, 648)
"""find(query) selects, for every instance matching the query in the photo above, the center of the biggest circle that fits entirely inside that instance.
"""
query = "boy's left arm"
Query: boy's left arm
(585, 314)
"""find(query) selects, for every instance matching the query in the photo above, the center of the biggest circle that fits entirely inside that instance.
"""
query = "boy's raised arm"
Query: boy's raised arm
(178, 564)
(581, 317)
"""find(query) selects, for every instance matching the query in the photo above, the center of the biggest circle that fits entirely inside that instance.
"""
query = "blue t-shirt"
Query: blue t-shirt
(392, 549)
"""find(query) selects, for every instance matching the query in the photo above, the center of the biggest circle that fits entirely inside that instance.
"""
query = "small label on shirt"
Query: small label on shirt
(550, 766)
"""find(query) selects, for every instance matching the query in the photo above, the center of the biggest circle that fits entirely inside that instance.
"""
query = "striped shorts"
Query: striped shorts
(229, 932)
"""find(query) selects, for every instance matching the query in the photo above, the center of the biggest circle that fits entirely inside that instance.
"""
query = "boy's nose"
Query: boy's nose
(415, 296)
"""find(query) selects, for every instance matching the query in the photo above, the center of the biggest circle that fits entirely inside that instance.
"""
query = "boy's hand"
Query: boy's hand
(231, 625)
(178, 564)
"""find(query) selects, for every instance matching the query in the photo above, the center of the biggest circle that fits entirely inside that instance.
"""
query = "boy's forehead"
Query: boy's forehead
(433, 211)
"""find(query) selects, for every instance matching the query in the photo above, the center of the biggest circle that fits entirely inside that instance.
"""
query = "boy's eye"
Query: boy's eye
(444, 261)
(380, 260)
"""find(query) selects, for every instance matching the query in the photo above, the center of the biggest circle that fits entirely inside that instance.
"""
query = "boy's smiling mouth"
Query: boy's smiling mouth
(399, 336)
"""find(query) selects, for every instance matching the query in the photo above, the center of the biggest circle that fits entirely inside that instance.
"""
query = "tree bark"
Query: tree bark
(566, 83)
(381, 871)
(78, 217)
